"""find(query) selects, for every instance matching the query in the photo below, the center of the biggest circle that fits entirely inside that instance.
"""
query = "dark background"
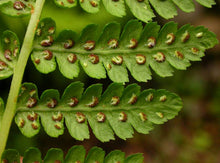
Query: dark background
(193, 136)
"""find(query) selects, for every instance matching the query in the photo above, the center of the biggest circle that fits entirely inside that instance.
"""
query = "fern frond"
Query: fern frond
(136, 48)
(17, 7)
(117, 110)
(77, 154)
(9, 51)
(141, 9)
(207, 3)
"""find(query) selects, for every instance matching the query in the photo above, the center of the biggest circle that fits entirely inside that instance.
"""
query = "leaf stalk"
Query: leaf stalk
(18, 75)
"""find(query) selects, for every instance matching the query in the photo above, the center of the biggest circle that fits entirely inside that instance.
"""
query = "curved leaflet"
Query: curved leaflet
(9, 51)
(136, 49)
(118, 110)
(141, 9)
(76, 154)
(17, 7)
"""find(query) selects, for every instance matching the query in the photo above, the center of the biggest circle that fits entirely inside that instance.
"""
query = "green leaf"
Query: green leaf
(75, 154)
(136, 49)
(117, 110)
(80, 131)
(116, 8)
(122, 130)
(207, 3)
(95, 155)
(54, 155)
(28, 121)
(65, 66)
(4, 1)
(10, 156)
(141, 9)
(32, 155)
(66, 3)
(49, 99)
(115, 156)
(137, 158)
(186, 5)
(44, 35)
(9, 50)
(91, 6)
(17, 8)
(164, 8)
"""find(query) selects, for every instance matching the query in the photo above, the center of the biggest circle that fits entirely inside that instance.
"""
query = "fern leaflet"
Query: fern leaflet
(9, 51)
(118, 109)
(136, 48)
(77, 154)
(17, 7)
(141, 9)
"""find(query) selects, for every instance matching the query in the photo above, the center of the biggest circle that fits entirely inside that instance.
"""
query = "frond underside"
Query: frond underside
(77, 154)
(117, 110)
(136, 49)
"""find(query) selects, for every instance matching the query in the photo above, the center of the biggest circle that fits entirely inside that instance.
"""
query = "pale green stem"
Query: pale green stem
(18, 75)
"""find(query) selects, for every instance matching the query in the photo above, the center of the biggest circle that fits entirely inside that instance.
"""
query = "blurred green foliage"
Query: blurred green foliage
(192, 137)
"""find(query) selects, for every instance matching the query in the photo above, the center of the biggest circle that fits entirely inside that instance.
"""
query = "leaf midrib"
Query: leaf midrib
(115, 51)
(96, 109)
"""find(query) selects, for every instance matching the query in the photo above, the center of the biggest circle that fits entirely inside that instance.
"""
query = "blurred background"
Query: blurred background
(192, 137)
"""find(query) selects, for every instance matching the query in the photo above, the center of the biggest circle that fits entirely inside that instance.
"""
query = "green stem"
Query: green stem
(18, 75)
